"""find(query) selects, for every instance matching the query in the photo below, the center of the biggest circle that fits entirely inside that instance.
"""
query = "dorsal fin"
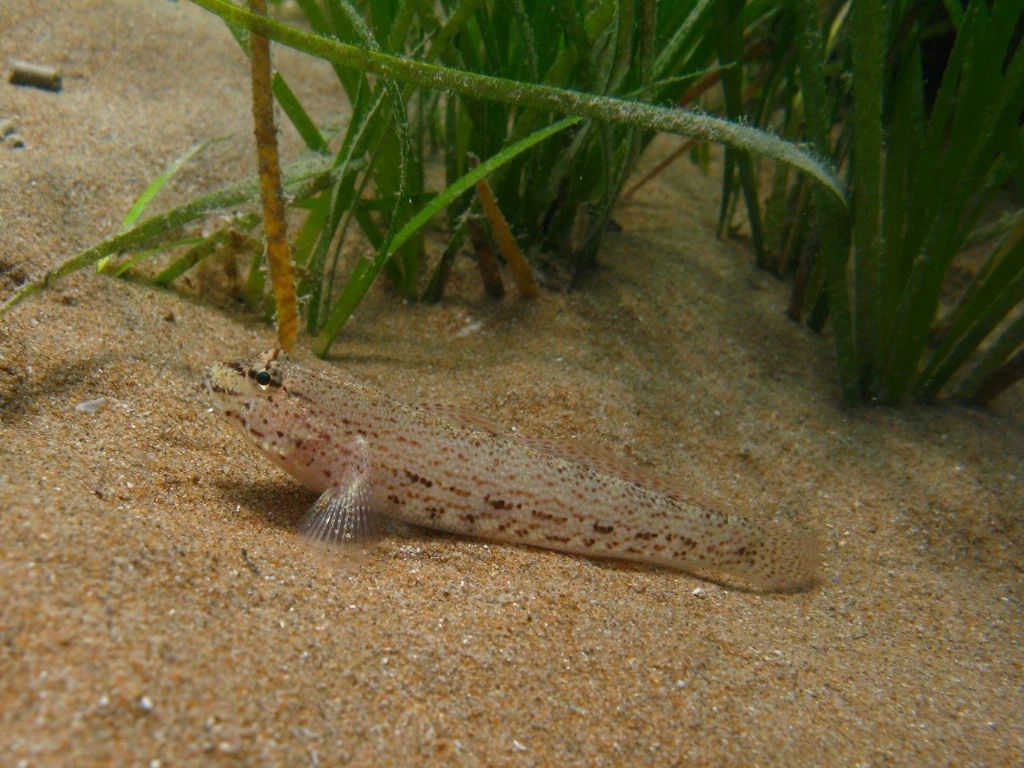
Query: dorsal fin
(607, 461)
(596, 457)
(465, 417)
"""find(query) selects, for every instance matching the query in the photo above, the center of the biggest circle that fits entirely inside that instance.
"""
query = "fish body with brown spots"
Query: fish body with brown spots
(369, 455)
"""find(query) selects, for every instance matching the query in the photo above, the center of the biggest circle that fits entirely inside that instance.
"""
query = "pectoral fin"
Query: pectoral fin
(343, 513)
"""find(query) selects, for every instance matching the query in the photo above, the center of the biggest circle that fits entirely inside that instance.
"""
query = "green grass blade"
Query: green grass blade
(297, 114)
(955, 11)
(392, 168)
(1013, 146)
(729, 31)
(434, 291)
(988, 93)
(989, 376)
(160, 182)
(284, 95)
(868, 44)
(202, 249)
(314, 16)
(343, 194)
(150, 192)
(1002, 263)
(256, 296)
(831, 222)
(981, 310)
(145, 254)
(404, 17)
(300, 180)
(558, 100)
(649, 92)
(626, 17)
(310, 230)
(522, 21)
(987, 319)
(927, 191)
(440, 45)
(348, 163)
(580, 50)
(577, 50)
(673, 52)
(905, 122)
(361, 279)
(319, 23)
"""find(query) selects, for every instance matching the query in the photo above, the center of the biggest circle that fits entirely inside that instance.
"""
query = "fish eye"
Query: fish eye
(263, 379)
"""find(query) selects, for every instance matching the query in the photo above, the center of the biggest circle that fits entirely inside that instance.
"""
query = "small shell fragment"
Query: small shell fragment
(91, 406)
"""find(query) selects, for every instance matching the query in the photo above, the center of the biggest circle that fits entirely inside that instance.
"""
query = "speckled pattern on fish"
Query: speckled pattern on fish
(440, 467)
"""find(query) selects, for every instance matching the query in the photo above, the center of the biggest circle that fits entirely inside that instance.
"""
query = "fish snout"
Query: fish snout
(224, 383)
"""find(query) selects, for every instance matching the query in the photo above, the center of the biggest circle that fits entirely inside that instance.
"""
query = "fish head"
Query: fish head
(237, 387)
(283, 409)
(251, 394)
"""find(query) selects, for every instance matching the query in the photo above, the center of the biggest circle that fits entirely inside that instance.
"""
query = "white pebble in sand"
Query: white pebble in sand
(91, 406)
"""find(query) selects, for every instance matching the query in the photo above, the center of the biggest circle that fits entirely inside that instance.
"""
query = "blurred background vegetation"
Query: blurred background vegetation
(891, 205)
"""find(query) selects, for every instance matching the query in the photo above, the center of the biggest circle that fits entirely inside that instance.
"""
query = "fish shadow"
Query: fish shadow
(282, 504)
(699, 578)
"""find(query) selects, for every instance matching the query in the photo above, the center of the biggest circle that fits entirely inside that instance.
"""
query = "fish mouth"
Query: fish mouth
(220, 383)
(226, 390)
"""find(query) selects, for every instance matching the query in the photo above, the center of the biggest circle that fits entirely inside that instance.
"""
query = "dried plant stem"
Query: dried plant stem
(434, 291)
(274, 224)
(521, 271)
(1001, 379)
(490, 275)
(674, 155)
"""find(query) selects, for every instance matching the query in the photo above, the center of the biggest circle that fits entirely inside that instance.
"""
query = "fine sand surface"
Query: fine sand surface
(157, 607)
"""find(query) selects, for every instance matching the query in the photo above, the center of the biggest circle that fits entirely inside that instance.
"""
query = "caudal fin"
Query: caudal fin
(776, 558)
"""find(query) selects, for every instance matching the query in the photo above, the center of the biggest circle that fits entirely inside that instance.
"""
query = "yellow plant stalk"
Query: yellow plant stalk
(274, 225)
(521, 271)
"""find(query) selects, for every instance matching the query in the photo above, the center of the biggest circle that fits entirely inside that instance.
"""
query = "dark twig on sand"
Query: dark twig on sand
(35, 75)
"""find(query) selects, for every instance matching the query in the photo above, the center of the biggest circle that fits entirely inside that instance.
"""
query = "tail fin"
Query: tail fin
(773, 558)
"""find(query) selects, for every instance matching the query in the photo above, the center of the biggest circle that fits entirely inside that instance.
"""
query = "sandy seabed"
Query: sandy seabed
(156, 605)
